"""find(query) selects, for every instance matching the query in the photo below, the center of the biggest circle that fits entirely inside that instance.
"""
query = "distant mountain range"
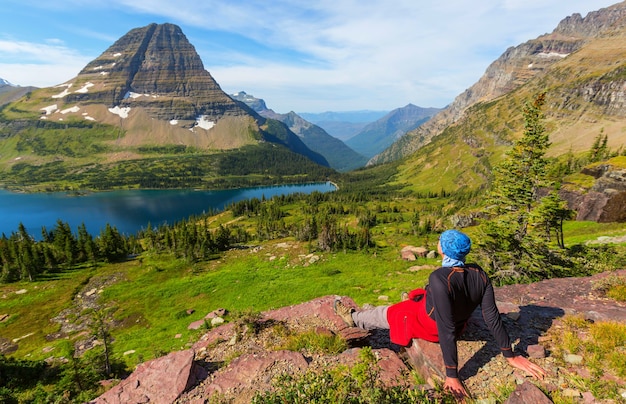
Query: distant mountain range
(338, 155)
(377, 136)
(343, 125)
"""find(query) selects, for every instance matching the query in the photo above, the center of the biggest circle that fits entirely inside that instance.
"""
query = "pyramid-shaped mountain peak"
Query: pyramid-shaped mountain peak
(155, 67)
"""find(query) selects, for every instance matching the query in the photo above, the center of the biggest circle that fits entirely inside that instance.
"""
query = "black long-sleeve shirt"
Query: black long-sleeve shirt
(452, 296)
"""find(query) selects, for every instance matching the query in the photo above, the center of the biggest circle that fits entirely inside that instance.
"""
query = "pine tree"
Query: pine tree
(507, 243)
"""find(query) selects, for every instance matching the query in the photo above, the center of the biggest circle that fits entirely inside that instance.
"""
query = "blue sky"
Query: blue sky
(298, 55)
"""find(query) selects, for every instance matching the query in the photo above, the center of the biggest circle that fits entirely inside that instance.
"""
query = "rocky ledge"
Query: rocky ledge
(528, 311)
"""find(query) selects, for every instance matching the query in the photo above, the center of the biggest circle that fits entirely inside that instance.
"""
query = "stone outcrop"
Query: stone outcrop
(161, 380)
(605, 201)
(528, 311)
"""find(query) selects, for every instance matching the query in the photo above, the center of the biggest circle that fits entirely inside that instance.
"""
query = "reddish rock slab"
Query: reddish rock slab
(250, 373)
(161, 380)
(527, 393)
(570, 295)
(536, 351)
(425, 357)
(318, 310)
(222, 333)
(408, 256)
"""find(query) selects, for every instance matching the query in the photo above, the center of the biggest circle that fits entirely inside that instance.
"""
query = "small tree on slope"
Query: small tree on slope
(507, 243)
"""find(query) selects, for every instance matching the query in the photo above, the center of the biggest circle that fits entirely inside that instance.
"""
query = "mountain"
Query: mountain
(524, 63)
(10, 93)
(377, 136)
(339, 156)
(584, 98)
(343, 125)
(148, 96)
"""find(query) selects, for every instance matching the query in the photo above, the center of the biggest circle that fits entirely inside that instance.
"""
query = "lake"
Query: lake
(129, 210)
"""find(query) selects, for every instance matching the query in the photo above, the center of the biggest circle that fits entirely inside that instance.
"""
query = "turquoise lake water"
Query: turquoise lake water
(129, 211)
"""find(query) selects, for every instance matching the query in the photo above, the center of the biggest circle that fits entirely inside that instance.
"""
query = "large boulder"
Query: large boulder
(161, 380)
(605, 201)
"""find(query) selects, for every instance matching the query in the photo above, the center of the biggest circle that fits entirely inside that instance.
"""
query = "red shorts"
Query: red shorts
(408, 320)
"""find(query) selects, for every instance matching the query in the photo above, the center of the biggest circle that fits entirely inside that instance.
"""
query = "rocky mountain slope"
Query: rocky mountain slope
(10, 93)
(379, 135)
(337, 153)
(149, 90)
(598, 34)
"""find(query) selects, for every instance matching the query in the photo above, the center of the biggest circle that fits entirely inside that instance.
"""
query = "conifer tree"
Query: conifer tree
(507, 243)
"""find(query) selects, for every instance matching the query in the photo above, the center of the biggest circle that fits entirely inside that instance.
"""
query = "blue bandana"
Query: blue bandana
(455, 246)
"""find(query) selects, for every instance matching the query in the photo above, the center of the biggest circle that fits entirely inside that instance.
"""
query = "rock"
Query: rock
(573, 359)
(221, 312)
(148, 382)
(425, 358)
(224, 332)
(21, 291)
(216, 321)
(416, 251)
(432, 254)
(571, 393)
(383, 298)
(588, 397)
(555, 297)
(407, 256)
(196, 325)
(3, 317)
(536, 351)
(251, 373)
(527, 393)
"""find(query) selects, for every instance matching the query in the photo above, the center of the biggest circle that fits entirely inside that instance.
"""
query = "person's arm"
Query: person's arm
(491, 315)
(494, 322)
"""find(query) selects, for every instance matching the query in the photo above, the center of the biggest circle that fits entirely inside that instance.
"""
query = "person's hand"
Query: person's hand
(524, 364)
(456, 388)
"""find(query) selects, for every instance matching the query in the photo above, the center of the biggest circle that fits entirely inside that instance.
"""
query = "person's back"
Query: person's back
(462, 287)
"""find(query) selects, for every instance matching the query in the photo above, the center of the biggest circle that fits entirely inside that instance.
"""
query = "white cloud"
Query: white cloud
(320, 55)
(38, 64)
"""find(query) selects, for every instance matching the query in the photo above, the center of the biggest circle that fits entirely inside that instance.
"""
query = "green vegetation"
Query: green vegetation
(601, 346)
(358, 385)
(514, 241)
(77, 154)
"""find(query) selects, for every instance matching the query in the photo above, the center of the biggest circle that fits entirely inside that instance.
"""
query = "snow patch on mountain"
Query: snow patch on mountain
(50, 109)
(122, 112)
(84, 88)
